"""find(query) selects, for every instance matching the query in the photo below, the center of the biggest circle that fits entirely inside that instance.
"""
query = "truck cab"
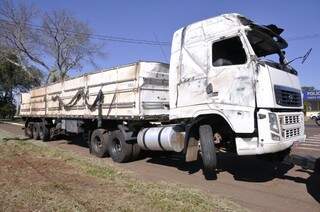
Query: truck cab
(221, 72)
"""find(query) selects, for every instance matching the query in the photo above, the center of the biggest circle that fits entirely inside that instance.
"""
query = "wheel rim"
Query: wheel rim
(97, 142)
(116, 145)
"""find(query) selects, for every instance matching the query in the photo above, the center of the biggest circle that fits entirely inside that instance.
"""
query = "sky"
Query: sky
(158, 20)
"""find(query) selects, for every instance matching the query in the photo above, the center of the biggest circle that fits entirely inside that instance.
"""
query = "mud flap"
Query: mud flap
(192, 150)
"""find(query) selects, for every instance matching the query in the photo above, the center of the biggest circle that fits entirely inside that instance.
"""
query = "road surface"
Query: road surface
(252, 183)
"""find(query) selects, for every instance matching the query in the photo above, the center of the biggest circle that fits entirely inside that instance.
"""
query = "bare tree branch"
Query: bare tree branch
(61, 44)
(68, 41)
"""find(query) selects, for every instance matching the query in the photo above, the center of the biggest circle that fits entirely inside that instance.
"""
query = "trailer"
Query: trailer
(134, 91)
(219, 93)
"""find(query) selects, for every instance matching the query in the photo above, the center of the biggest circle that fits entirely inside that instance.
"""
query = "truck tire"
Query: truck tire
(28, 131)
(208, 150)
(119, 150)
(99, 143)
(135, 151)
(35, 131)
(44, 132)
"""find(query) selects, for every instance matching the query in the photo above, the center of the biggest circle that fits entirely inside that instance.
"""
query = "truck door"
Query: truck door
(230, 73)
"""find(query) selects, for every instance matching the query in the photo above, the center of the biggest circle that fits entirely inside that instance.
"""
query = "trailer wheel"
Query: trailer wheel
(28, 130)
(99, 143)
(208, 151)
(35, 131)
(44, 132)
(119, 150)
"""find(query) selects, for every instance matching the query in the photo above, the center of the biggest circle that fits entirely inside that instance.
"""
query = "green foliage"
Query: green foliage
(7, 110)
(13, 80)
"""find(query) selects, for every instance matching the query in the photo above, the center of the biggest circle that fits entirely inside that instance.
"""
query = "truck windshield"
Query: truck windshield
(269, 48)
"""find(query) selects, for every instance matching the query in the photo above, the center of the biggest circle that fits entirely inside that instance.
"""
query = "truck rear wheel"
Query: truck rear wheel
(119, 150)
(135, 151)
(208, 151)
(99, 143)
(28, 131)
(44, 132)
(35, 131)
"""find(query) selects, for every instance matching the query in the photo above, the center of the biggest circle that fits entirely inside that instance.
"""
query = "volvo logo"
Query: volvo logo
(291, 98)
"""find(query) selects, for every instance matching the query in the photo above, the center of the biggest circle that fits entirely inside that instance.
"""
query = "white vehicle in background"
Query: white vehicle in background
(312, 114)
(219, 91)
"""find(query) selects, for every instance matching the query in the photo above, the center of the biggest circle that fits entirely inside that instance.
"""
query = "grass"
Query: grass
(34, 176)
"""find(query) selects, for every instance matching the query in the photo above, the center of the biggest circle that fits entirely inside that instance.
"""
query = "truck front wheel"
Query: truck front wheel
(208, 150)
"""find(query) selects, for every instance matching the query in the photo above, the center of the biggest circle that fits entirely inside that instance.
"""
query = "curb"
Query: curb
(12, 123)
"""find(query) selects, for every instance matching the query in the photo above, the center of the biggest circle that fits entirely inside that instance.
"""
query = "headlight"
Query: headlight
(273, 122)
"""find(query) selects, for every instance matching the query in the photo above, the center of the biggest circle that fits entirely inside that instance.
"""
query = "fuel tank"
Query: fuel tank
(164, 138)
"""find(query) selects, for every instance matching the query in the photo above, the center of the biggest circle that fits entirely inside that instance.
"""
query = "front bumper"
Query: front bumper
(291, 130)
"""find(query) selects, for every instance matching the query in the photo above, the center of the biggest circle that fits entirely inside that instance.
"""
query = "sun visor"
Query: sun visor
(274, 32)
(274, 29)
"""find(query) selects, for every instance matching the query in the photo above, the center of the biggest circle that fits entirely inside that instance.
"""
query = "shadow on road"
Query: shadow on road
(312, 182)
(245, 168)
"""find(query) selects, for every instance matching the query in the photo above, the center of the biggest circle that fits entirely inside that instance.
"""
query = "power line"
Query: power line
(142, 41)
(103, 37)
(304, 37)
(162, 50)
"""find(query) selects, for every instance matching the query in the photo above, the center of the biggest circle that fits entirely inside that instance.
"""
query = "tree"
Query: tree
(60, 44)
(67, 40)
(14, 80)
(16, 37)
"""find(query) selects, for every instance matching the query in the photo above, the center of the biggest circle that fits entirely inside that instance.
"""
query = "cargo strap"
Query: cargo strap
(80, 94)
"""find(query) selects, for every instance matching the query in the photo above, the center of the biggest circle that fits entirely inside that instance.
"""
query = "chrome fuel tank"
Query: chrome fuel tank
(166, 138)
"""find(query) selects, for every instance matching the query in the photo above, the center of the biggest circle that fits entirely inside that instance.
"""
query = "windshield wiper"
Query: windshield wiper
(304, 58)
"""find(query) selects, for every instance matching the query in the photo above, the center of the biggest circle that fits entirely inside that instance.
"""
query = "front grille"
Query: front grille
(290, 133)
(286, 96)
(290, 119)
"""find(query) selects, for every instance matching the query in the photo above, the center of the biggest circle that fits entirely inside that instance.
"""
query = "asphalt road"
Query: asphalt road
(312, 144)
(252, 183)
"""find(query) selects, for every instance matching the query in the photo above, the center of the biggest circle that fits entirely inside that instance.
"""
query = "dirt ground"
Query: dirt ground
(36, 177)
(252, 183)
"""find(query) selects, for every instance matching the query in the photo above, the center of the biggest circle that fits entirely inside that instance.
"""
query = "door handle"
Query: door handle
(209, 88)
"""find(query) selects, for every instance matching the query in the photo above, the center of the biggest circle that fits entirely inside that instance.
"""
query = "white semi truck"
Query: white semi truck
(220, 93)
